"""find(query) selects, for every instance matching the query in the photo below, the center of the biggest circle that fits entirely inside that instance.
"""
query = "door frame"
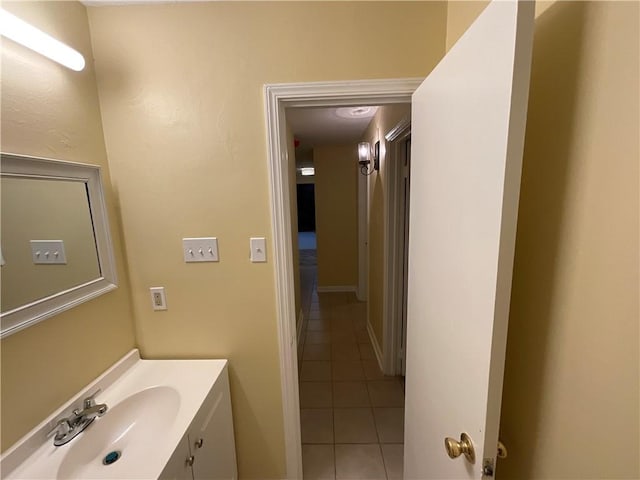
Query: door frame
(394, 247)
(363, 238)
(277, 98)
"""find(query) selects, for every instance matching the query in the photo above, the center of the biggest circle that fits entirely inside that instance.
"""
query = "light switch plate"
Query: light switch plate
(258, 249)
(200, 249)
(48, 252)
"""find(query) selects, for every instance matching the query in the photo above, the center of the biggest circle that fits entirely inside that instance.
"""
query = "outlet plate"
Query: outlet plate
(48, 252)
(200, 249)
(158, 298)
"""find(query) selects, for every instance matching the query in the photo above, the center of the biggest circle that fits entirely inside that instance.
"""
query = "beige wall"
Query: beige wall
(304, 158)
(37, 209)
(385, 119)
(48, 110)
(461, 14)
(181, 90)
(571, 400)
(336, 195)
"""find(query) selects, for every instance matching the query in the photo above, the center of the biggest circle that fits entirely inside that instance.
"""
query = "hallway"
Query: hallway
(352, 416)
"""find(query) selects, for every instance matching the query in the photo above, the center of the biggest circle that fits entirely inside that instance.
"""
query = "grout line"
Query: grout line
(333, 410)
(384, 464)
(375, 425)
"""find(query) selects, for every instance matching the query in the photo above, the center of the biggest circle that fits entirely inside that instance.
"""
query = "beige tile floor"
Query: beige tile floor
(352, 416)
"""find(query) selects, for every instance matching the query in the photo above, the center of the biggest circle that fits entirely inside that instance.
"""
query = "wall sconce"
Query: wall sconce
(364, 157)
(29, 36)
(307, 171)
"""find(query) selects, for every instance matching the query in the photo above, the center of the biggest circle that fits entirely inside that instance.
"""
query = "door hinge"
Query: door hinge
(487, 467)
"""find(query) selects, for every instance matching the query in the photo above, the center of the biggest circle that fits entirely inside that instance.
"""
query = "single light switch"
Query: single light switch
(258, 249)
(48, 252)
(200, 249)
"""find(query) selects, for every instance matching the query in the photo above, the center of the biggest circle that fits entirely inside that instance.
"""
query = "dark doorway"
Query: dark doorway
(306, 208)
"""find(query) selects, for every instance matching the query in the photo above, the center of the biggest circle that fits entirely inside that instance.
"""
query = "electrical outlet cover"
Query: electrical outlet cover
(158, 298)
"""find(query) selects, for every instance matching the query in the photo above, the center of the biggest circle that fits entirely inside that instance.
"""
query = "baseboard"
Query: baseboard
(336, 288)
(376, 345)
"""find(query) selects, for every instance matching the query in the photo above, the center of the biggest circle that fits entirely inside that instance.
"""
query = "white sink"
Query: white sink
(126, 432)
(151, 406)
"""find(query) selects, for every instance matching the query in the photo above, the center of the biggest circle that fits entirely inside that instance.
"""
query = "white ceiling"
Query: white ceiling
(325, 126)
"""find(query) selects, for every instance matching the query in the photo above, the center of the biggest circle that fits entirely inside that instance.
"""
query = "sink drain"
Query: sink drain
(111, 457)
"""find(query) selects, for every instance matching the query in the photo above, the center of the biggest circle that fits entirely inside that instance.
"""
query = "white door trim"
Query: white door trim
(277, 98)
(393, 248)
(363, 232)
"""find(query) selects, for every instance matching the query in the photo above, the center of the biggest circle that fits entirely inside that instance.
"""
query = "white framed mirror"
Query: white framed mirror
(55, 242)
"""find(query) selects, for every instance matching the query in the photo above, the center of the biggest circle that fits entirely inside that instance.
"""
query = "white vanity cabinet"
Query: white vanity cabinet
(178, 467)
(207, 450)
(167, 419)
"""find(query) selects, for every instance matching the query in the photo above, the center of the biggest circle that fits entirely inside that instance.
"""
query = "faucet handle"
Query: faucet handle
(61, 429)
(90, 400)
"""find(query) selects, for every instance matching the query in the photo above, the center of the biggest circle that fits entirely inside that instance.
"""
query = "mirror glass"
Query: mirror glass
(55, 244)
(45, 209)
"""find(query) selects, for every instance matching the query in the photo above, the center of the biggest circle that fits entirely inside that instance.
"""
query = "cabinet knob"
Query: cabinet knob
(190, 460)
(199, 443)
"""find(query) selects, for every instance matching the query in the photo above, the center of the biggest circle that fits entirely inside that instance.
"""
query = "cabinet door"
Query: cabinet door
(211, 436)
(177, 467)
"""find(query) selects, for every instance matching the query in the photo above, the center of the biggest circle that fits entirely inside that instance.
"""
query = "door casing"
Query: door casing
(277, 98)
(394, 246)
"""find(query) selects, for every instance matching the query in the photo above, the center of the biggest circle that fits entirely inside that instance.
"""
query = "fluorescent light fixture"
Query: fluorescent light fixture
(29, 36)
(307, 171)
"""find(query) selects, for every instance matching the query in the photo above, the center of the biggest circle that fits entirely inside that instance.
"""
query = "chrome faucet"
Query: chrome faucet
(66, 429)
(89, 408)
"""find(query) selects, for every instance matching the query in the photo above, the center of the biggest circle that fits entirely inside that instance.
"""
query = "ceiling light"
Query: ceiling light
(307, 171)
(29, 36)
(356, 112)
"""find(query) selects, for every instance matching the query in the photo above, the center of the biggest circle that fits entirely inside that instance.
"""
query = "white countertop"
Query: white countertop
(35, 456)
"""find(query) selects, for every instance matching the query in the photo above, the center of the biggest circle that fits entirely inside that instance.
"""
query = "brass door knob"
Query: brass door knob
(463, 447)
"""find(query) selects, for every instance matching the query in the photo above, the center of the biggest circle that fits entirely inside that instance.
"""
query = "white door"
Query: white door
(468, 120)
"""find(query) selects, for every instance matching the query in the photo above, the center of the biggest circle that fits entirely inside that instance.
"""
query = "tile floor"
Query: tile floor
(352, 416)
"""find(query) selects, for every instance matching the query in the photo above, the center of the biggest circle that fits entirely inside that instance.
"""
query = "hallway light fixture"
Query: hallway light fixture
(307, 171)
(34, 39)
(364, 157)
